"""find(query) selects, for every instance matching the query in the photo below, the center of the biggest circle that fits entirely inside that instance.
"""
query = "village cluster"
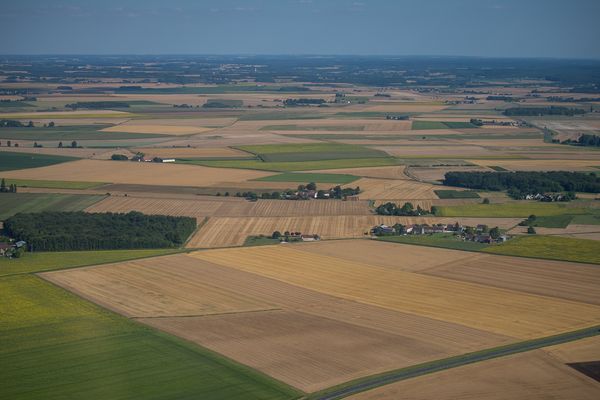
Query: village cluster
(480, 233)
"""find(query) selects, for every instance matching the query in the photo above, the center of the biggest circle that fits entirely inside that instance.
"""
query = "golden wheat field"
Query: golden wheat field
(541, 164)
(374, 189)
(190, 152)
(136, 173)
(233, 207)
(497, 310)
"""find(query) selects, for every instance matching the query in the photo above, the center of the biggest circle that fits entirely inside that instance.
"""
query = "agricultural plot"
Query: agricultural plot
(277, 333)
(299, 165)
(311, 152)
(136, 173)
(310, 177)
(527, 376)
(550, 247)
(13, 203)
(395, 189)
(32, 183)
(68, 133)
(233, 231)
(200, 208)
(521, 209)
(447, 151)
(191, 152)
(562, 164)
(392, 172)
(58, 346)
(418, 125)
(14, 161)
(456, 194)
(496, 310)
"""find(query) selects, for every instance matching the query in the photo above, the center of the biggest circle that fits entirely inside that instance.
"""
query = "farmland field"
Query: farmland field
(456, 194)
(102, 355)
(298, 165)
(32, 183)
(40, 261)
(310, 177)
(13, 203)
(15, 161)
(68, 133)
(311, 152)
(437, 240)
(515, 209)
(418, 125)
(551, 247)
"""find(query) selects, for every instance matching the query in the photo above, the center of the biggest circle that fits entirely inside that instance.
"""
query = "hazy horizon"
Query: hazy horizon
(461, 28)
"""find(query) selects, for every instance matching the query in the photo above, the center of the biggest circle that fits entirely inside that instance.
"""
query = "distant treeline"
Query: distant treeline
(589, 140)
(406, 210)
(11, 123)
(97, 105)
(535, 111)
(303, 102)
(503, 98)
(65, 231)
(521, 183)
(559, 99)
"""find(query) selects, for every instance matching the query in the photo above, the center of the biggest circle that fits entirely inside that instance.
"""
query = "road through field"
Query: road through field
(362, 385)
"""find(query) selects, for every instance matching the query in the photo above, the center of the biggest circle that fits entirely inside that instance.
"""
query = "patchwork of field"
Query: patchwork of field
(392, 172)
(231, 208)
(572, 230)
(157, 129)
(233, 231)
(136, 173)
(437, 173)
(371, 306)
(527, 376)
(501, 311)
(447, 151)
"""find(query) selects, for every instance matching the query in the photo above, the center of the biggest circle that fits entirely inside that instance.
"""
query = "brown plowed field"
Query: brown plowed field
(527, 376)
(501, 311)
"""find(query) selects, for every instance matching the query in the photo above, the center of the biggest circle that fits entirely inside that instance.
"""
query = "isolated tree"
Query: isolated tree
(60, 145)
(531, 230)
(74, 144)
(486, 201)
(51, 124)
(495, 233)
(3, 185)
(8, 143)
(30, 124)
(276, 235)
(311, 186)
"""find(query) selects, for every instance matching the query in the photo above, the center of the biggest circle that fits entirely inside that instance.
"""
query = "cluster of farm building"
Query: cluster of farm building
(480, 234)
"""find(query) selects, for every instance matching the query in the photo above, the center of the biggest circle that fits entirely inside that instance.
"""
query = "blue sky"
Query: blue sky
(490, 28)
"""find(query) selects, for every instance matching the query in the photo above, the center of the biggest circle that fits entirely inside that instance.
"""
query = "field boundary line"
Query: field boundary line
(209, 315)
(372, 382)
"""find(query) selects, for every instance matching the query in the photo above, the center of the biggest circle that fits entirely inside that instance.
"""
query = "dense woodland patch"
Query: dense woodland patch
(64, 231)
(522, 183)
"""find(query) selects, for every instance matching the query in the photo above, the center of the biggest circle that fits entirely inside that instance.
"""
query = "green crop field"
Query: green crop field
(586, 219)
(53, 184)
(514, 209)
(418, 125)
(223, 103)
(12, 161)
(48, 261)
(309, 177)
(371, 114)
(58, 346)
(260, 241)
(444, 240)
(497, 168)
(68, 133)
(13, 203)
(456, 194)
(550, 247)
(554, 221)
(311, 152)
(332, 128)
(298, 166)
(279, 115)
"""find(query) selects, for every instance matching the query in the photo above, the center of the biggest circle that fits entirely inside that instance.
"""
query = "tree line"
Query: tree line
(522, 183)
(97, 105)
(535, 111)
(66, 231)
(408, 209)
(4, 188)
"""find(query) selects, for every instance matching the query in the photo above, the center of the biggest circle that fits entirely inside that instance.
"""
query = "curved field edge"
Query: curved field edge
(372, 382)
(105, 355)
(51, 261)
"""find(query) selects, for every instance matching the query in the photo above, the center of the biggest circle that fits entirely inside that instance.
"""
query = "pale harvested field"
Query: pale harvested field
(570, 281)
(437, 151)
(268, 324)
(404, 107)
(393, 172)
(395, 189)
(191, 152)
(587, 349)
(53, 115)
(527, 376)
(233, 231)
(202, 207)
(136, 173)
(541, 165)
(501, 311)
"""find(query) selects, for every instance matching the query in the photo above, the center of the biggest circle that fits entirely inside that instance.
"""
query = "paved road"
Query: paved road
(453, 362)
